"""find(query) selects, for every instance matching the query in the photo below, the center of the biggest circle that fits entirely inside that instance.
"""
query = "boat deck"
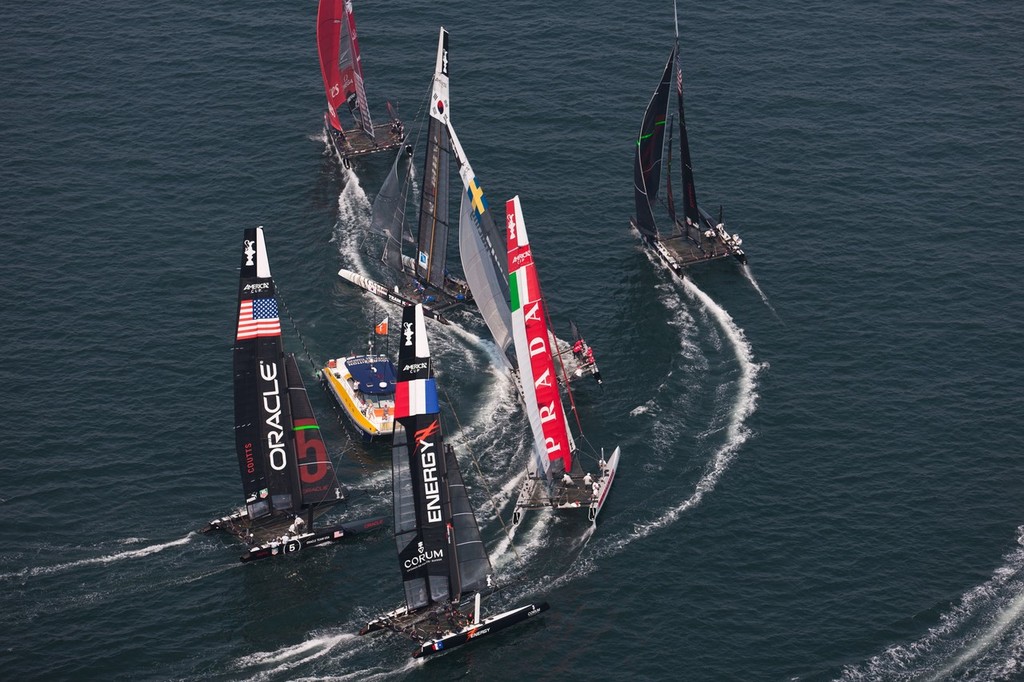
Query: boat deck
(689, 245)
(356, 143)
(262, 530)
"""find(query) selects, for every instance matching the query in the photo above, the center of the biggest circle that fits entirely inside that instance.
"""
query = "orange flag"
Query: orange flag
(382, 328)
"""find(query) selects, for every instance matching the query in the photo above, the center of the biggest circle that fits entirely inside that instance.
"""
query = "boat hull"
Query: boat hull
(677, 252)
(372, 420)
(356, 143)
(534, 493)
(293, 544)
(381, 291)
(487, 627)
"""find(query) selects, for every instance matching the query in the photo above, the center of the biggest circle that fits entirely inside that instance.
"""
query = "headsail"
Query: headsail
(690, 212)
(553, 446)
(647, 161)
(340, 65)
(388, 214)
(316, 471)
(266, 454)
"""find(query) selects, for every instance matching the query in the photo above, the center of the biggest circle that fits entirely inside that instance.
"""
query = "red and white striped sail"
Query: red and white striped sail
(553, 445)
(340, 64)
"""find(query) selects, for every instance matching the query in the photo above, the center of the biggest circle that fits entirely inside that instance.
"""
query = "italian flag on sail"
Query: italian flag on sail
(533, 350)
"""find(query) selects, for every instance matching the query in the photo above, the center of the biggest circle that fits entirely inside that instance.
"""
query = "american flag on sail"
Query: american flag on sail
(418, 396)
(258, 317)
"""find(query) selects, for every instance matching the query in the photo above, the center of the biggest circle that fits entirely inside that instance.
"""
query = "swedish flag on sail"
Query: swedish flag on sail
(476, 197)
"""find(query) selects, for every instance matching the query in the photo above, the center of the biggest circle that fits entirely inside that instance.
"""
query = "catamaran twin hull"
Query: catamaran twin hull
(678, 251)
(537, 493)
(433, 310)
(453, 634)
(238, 524)
(355, 143)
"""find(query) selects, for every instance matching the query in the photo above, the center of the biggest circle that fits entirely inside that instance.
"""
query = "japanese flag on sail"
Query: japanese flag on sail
(418, 396)
(382, 328)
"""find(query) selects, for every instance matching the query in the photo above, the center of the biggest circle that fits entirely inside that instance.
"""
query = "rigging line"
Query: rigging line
(316, 373)
(295, 328)
(480, 473)
(565, 377)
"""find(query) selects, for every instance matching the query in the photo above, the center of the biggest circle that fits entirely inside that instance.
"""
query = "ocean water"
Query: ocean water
(821, 475)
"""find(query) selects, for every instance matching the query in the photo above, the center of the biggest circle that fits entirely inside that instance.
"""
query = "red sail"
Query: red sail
(340, 65)
(533, 349)
(328, 40)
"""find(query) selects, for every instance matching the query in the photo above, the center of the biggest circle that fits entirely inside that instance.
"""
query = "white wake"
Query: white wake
(106, 559)
(980, 638)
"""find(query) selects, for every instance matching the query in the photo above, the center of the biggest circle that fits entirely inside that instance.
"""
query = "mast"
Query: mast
(422, 505)
(433, 219)
(553, 445)
(265, 448)
(649, 147)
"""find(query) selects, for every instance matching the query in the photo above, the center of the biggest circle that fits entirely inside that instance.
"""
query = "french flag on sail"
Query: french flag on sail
(418, 396)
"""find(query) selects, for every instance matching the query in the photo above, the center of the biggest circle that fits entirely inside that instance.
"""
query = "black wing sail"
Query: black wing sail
(422, 505)
(649, 148)
(265, 450)
(317, 477)
(433, 227)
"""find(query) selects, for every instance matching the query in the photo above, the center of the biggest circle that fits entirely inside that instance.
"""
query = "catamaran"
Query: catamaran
(423, 277)
(696, 237)
(342, 71)
(444, 564)
(364, 387)
(288, 479)
(555, 478)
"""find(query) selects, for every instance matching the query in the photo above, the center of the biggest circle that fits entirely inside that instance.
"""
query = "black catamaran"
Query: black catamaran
(425, 277)
(287, 477)
(442, 559)
(342, 70)
(554, 476)
(696, 237)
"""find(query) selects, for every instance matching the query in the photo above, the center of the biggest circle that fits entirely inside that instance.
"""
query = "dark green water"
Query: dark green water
(826, 487)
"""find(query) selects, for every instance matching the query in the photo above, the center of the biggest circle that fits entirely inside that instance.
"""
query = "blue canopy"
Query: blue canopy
(375, 373)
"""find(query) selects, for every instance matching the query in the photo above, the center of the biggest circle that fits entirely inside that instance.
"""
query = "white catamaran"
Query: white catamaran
(444, 565)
